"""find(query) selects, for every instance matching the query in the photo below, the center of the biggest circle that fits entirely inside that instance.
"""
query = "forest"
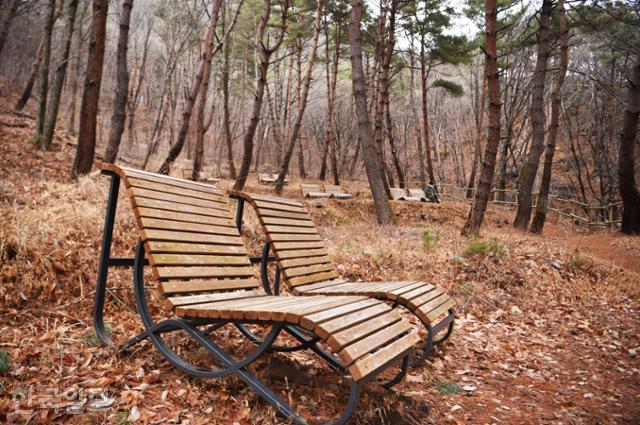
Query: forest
(515, 122)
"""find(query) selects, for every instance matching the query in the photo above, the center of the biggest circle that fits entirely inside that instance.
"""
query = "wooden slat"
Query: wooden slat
(198, 260)
(331, 302)
(415, 303)
(282, 246)
(319, 277)
(280, 207)
(174, 181)
(182, 286)
(306, 261)
(184, 217)
(287, 222)
(220, 296)
(155, 223)
(440, 310)
(301, 271)
(302, 253)
(323, 284)
(179, 272)
(268, 198)
(179, 199)
(399, 291)
(172, 206)
(340, 339)
(162, 187)
(192, 248)
(373, 362)
(433, 302)
(265, 212)
(336, 312)
(290, 229)
(326, 329)
(284, 237)
(418, 292)
(168, 235)
(358, 349)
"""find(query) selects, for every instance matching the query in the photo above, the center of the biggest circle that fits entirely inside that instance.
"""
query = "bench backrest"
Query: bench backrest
(300, 252)
(397, 193)
(310, 188)
(417, 193)
(333, 189)
(189, 235)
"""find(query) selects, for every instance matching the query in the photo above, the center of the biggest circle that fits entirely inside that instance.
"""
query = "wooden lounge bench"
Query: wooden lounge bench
(336, 192)
(303, 260)
(188, 237)
(417, 194)
(312, 191)
(266, 178)
(399, 194)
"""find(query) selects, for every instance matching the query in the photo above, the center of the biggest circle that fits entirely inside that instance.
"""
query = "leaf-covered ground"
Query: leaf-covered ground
(547, 328)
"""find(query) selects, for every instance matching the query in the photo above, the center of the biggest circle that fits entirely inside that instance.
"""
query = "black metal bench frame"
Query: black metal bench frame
(153, 330)
(273, 288)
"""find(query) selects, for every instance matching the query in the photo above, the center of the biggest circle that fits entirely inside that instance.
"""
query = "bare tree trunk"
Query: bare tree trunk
(424, 75)
(5, 24)
(302, 101)
(626, 156)
(476, 214)
(226, 119)
(538, 118)
(301, 171)
(83, 160)
(556, 99)
(201, 126)
(119, 114)
(264, 54)
(59, 76)
(478, 142)
(77, 69)
(414, 111)
(383, 209)
(44, 76)
(134, 100)
(205, 63)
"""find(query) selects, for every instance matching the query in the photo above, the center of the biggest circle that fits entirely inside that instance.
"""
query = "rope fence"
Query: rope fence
(592, 216)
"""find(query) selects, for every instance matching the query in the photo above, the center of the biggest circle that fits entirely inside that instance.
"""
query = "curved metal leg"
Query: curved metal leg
(400, 375)
(447, 334)
(352, 404)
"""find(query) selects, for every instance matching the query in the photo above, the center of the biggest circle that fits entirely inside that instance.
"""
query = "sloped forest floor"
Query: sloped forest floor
(547, 328)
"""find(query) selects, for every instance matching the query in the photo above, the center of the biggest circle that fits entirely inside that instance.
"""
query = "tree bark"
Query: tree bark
(424, 75)
(44, 76)
(59, 76)
(478, 142)
(383, 209)
(538, 118)
(476, 214)
(119, 114)
(77, 69)
(556, 100)
(626, 156)
(5, 24)
(205, 63)
(226, 119)
(302, 101)
(264, 54)
(85, 151)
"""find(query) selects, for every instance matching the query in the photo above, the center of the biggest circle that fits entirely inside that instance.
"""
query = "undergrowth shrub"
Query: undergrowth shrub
(4, 361)
(448, 388)
(476, 245)
(430, 240)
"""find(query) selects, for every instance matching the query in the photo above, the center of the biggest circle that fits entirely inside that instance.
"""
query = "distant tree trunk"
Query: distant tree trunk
(264, 54)
(205, 63)
(226, 119)
(301, 171)
(424, 75)
(134, 100)
(556, 99)
(85, 151)
(302, 101)
(44, 76)
(626, 156)
(476, 214)
(119, 114)
(332, 78)
(5, 24)
(478, 140)
(201, 126)
(538, 118)
(383, 209)
(35, 66)
(77, 69)
(414, 111)
(59, 76)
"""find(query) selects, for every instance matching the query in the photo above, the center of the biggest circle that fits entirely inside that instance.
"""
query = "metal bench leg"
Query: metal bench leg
(105, 256)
